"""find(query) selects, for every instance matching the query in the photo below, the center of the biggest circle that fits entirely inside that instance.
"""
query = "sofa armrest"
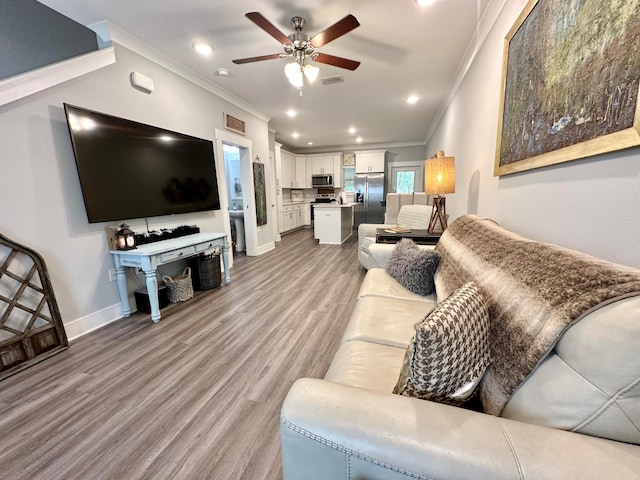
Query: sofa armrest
(336, 431)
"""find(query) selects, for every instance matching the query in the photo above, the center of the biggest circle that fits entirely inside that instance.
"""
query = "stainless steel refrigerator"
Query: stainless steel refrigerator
(369, 198)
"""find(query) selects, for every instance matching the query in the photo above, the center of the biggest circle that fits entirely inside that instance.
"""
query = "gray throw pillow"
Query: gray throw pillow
(413, 267)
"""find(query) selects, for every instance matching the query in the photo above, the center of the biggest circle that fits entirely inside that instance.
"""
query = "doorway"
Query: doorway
(233, 175)
(238, 202)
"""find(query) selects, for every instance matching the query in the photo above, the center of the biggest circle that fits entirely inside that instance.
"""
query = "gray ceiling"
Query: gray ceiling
(403, 49)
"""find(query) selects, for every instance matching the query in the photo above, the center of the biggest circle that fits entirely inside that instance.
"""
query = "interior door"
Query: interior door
(406, 180)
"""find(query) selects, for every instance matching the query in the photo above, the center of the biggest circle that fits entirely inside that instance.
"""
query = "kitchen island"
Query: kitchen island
(332, 223)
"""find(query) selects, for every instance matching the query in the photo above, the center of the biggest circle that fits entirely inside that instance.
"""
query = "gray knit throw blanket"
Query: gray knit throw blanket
(535, 292)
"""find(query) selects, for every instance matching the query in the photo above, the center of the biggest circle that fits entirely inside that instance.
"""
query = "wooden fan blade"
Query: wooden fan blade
(337, 61)
(268, 27)
(336, 30)
(257, 59)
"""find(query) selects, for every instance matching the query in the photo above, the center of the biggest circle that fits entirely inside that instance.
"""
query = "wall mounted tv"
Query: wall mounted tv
(132, 170)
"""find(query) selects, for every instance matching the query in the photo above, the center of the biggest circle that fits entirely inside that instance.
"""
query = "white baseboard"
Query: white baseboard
(81, 326)
(266, 248)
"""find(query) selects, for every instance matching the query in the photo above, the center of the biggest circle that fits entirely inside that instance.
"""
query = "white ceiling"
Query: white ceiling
(403, 48)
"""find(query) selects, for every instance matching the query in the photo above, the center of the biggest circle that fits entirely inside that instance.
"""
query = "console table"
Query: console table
(149, 256)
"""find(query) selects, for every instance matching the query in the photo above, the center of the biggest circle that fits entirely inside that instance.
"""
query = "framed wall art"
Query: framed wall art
(570, 83)
(261, 193)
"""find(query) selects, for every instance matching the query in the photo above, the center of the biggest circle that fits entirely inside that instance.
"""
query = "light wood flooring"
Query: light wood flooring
(196, 396)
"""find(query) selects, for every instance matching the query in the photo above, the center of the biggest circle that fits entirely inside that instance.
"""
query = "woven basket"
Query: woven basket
(179, 288)
(205, 271)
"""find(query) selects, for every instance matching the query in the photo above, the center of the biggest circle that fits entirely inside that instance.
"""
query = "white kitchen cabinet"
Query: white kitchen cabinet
(298, 220)
(302, 179)
(288, 169)
(309, 164)
(293, 171)
(337, 170)
(306, 214)
(293, 217)
(368, 161)
(282, 226)
(322, 164)
(332, 223)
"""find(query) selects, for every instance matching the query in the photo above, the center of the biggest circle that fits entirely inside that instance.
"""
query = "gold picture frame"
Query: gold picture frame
(234, 124)
(569, 91)
(259, 186)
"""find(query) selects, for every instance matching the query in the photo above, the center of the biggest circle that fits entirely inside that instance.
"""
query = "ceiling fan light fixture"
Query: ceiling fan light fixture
(294, 74)
(311, 72)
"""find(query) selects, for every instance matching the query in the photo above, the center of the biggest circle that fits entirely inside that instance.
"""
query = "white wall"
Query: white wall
(591, 205)
(41, 203)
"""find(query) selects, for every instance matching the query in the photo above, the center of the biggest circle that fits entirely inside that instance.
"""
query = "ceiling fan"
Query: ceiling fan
(300, 47)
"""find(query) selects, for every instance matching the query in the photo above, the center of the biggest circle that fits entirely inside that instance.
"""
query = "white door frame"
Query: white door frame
(273, 187)
(248, 196)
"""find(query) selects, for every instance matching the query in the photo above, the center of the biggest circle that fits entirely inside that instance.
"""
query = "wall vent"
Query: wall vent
(331, 80)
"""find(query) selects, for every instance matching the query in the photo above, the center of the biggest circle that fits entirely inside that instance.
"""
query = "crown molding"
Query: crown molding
(34, 81)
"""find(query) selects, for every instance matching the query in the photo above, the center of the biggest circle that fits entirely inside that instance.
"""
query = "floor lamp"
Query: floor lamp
(439, 178)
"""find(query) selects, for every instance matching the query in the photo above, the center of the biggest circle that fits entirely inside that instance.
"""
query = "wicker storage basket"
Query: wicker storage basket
(179, 287)
(205, 270)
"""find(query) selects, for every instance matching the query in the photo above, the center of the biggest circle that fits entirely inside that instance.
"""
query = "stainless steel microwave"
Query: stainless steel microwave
(324, 180)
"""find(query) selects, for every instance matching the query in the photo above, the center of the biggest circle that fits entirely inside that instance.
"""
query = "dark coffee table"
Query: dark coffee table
(421, 237)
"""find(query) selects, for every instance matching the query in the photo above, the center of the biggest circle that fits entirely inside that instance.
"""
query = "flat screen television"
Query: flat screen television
(131, 170)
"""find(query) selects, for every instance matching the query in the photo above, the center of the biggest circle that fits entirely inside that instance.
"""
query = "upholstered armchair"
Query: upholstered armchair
(372, 254)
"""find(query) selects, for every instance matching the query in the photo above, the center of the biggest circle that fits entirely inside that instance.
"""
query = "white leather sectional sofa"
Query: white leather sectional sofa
(577, 416)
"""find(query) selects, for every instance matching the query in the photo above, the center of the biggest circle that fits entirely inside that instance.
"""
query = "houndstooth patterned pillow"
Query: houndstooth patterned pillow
(449, 349)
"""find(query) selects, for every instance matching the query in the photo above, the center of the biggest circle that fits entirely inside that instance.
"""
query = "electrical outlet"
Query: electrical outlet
(112, 275)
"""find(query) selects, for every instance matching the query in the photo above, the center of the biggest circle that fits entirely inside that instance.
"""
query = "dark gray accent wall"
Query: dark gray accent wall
(32, 35)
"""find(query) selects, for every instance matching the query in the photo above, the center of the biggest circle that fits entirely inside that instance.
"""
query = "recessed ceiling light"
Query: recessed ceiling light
(309, 143)
(352, 130)
(295, 135)
(359, 139)
(424, 3)
(412, 99)
(222, 72)
(202, 48)
(291, 113)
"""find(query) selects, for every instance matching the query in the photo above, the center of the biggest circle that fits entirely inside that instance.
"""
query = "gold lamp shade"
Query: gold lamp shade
(440, 174)
(439, 178)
